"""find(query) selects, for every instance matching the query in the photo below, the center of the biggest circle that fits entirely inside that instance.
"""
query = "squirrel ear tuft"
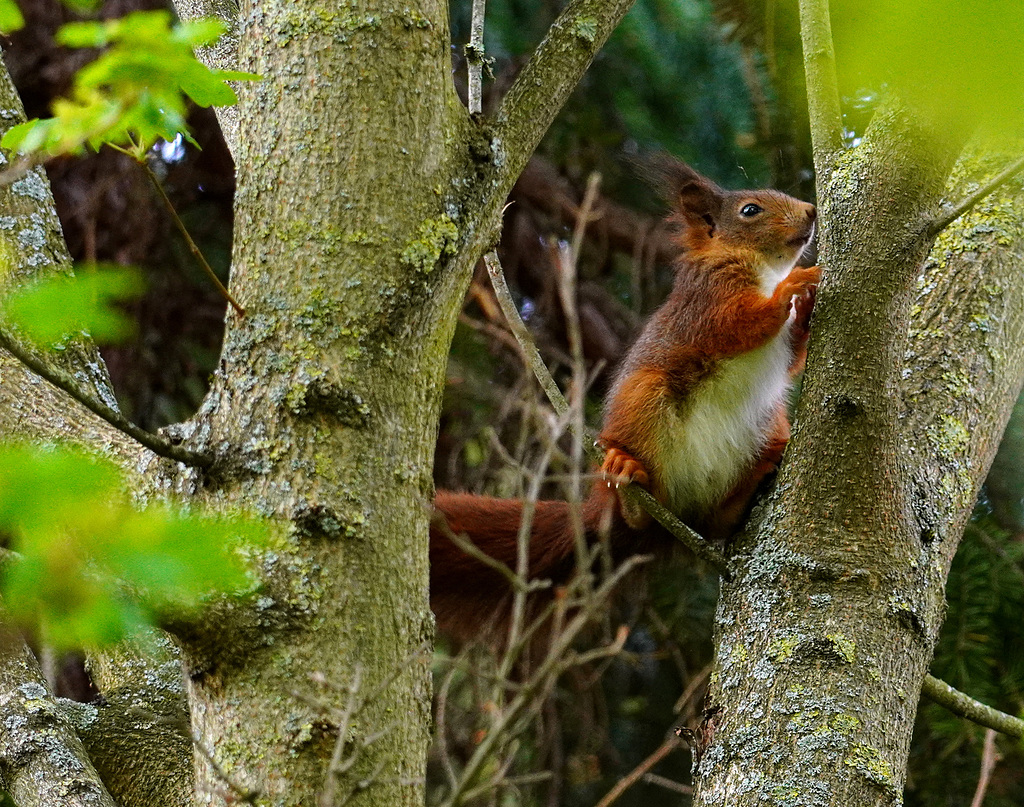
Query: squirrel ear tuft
(691, 193)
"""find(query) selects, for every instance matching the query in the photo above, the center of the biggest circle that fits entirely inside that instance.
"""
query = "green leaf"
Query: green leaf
(200, 32)
(207, 88)
(10, 17)
(83, 34)
(59, 308)
(28, 136)
(91, 567)
(134, 93)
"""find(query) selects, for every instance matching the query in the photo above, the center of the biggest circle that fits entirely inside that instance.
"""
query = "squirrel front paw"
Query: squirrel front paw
(620, 468)
(801, 279)
(804, 304)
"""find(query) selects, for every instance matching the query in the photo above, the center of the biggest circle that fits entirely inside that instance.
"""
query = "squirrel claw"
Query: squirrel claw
(620, 468)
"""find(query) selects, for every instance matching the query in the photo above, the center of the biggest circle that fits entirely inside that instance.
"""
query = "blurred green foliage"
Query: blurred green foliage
(135, 93)
(956, 58)
(11, 18)
(57, 308)
(91, 567)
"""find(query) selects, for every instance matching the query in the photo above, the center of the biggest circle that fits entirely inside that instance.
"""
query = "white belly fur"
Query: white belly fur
(722, 428)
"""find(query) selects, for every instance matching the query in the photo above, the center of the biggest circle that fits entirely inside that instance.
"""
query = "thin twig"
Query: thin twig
(475, 58)
(516, 582)
(193, 248)
(337, 766)
(671, 744)
(940, 223)
(154, 442)
(668, 784)
(530, 353)
(989, 758)
(822, 84)
(247, 795)
(960, 704)
(692, 688)
(568, 264)
(634, 493)
(556, 660)
(442, 727)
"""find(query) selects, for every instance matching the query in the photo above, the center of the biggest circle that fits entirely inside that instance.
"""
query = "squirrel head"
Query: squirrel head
(765, 229)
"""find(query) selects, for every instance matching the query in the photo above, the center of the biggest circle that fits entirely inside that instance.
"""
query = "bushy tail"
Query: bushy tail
(472, 600)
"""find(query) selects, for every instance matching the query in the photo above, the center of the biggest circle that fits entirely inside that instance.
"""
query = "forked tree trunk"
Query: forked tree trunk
(827, 629)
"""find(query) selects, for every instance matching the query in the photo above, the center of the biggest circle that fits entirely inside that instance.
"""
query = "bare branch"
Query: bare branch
(243, 794)
(822, 86)
(940, 223)
(966, 707)
(556, 660)
(193, 247)
(989, 758)
(671, 743)
(154, 442)
(552, 73)
(475, 57)
(529, 348)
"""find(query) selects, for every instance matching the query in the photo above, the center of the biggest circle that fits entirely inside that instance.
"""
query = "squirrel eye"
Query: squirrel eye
(751, 210)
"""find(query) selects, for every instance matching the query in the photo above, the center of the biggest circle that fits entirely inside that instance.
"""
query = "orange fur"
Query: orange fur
(696, 413)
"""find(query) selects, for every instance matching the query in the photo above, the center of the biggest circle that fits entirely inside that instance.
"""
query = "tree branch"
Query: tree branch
(966, 707)
(552, 73)
(222, 55)
(941, 222)
(475, 58)
(154, 442)
(695, 542)
(822, 86)
(43, 759)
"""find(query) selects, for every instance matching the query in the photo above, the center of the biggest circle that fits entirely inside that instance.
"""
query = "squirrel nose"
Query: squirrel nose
(812, 213)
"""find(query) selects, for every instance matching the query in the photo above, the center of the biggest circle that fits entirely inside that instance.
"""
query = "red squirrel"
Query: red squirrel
(696, 412)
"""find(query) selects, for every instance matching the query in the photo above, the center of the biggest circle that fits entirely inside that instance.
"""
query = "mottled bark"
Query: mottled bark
(365, 196)
(32, 410)
(42, 760)
(827, 630)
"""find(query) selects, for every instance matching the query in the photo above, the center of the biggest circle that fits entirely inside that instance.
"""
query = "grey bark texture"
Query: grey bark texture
(365, 196)
(828, 627)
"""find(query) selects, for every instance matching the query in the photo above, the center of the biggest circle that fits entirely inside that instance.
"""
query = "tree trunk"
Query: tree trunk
(365, 196)
(827, 629)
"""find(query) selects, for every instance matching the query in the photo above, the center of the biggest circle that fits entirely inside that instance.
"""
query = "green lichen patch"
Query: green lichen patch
(844, 646)
(780, 650)
(586, 29)
(867, 761)
(435, 239)
(949, 436)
